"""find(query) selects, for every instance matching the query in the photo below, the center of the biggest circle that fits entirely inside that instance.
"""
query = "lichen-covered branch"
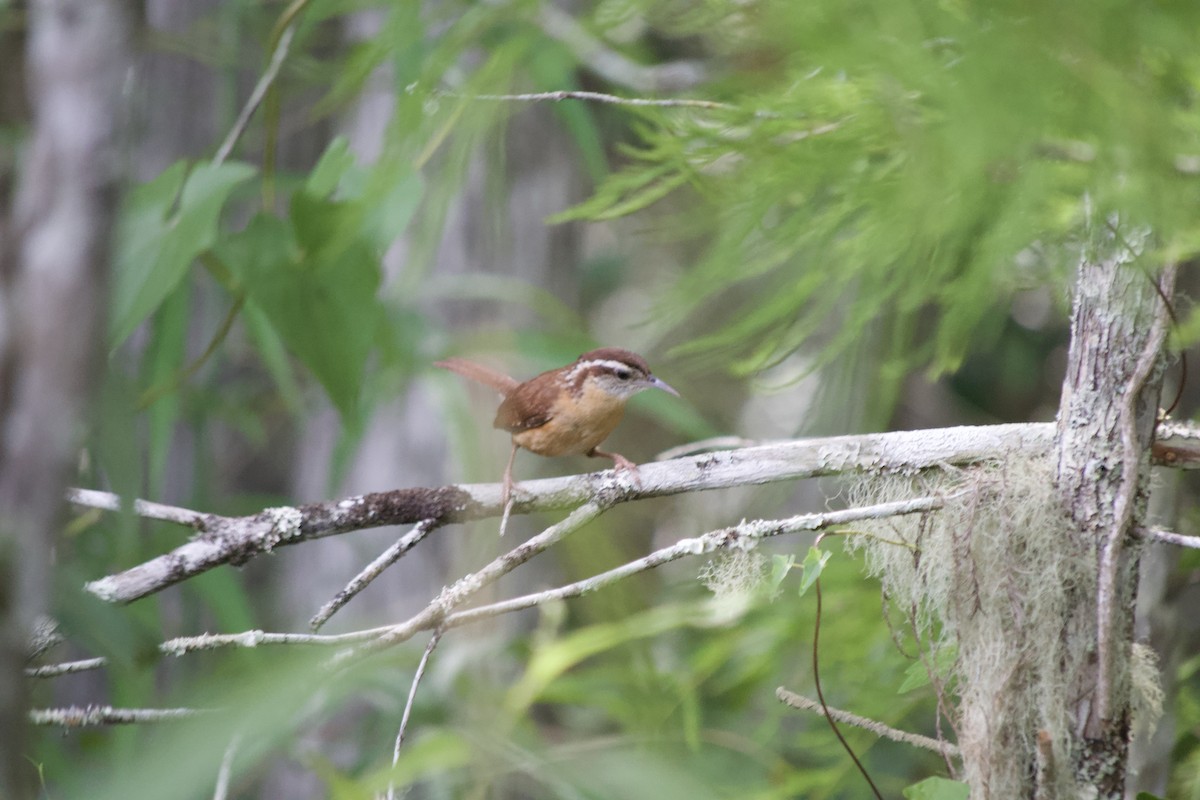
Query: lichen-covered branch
(741, 536)
(235, 540)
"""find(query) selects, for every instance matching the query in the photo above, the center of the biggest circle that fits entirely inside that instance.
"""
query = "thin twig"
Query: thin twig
(560, 95)
(601, 97)
(508, 507)
(86, 716)
(225, 773)
(1168, 537)
(258, 638)
(408, 706)
(737, 536)
(65, 668)
(45, 635)
(874, 726)
(731, 537)
(452, 596)
(1123, 507)
(373, 570)
(107, 501)
(256, 96)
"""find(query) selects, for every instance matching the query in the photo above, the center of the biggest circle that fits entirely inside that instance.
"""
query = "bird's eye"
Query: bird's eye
(624, 374)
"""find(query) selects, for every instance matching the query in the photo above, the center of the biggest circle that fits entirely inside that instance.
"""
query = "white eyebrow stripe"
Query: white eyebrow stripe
(613, 365)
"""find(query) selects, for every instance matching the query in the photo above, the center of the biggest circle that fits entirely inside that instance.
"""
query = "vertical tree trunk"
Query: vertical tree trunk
(52, 265)
(1105, 426)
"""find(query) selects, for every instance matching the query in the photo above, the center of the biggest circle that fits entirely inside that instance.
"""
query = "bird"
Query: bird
(565, 411)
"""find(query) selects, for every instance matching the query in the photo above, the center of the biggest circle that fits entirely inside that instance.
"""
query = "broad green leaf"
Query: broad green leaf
(781, 565)
(165, 224)
(164, 358)
(274, 356)
(333, 164)
(936, 788)
(393, 207)
(814, 562)
(316, 284)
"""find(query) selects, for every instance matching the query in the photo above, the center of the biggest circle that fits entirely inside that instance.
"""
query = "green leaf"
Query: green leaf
(814, 562)
(274, 356)
(781, 565)
(165, 224)
(936, 788)
(164, 357)
(392, 207)
(1147, 796)
(330, 168)
(917, 676)
(316, 284)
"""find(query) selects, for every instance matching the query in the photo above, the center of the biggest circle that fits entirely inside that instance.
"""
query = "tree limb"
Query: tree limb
(235, 540)
(742, 535)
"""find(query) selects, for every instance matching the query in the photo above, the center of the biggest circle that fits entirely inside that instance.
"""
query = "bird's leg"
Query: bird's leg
(620, 462)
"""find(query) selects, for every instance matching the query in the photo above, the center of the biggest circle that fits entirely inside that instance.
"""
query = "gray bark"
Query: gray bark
(55, 256)
(1106, 423)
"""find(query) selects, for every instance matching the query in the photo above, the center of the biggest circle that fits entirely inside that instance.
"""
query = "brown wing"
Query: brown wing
(478, 372)
(526, 407)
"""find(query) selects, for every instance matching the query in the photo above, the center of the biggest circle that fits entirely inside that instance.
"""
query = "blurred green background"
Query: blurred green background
(872, 226)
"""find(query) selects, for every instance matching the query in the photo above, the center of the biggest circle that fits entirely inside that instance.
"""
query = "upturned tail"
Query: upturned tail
(478, 372)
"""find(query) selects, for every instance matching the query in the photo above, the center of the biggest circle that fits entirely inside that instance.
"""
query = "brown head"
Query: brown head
(618, 372)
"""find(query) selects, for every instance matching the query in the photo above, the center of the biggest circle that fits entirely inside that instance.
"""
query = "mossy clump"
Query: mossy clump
(998, 575)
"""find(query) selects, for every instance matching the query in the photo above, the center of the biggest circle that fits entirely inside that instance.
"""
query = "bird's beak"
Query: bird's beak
(661, 384)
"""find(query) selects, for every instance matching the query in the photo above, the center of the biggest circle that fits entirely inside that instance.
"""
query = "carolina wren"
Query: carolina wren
(565, 411)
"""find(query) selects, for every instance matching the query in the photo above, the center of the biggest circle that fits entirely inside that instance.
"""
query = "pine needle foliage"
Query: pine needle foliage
(907, 165)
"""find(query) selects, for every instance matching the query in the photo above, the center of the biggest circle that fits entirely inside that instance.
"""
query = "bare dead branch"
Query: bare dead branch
(408, 706)
(741, 535)
(372, 571)
(874, 726)
(1168, 537)
(235, 540)
(609, 99)
(90, 716)
(737, 536)
(433, 615)
(106, 501)
(65, 668)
